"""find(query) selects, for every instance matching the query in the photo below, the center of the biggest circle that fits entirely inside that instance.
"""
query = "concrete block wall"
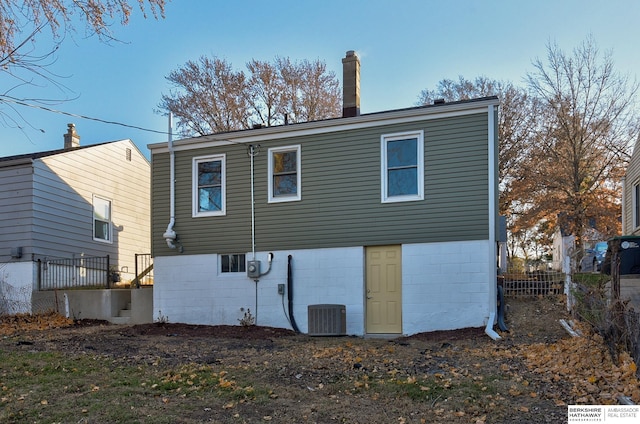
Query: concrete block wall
(445, 286)
(17, 282)
(191, 289)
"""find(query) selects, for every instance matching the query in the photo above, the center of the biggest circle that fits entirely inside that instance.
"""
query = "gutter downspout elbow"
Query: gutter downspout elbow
(170, 235)
(489, 331)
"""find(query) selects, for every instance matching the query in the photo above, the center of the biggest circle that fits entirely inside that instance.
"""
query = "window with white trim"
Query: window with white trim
(102, 229)
(284, 174)
(402, 166)
(233, 263)
(209, 186)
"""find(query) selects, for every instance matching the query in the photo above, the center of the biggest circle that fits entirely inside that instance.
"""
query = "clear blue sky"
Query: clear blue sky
(404, 47)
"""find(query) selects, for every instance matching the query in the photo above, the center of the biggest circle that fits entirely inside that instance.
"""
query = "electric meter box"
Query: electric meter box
(253, 269)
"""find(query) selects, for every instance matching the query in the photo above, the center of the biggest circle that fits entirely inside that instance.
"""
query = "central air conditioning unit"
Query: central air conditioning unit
(327, 320)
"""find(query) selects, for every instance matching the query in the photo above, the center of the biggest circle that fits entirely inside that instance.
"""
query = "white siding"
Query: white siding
(632, 178)
(64, 186)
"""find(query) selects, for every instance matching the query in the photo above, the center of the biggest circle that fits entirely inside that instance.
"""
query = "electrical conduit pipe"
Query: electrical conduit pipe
(290, 294)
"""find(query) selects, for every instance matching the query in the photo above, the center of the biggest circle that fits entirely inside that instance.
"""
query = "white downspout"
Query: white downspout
(493, 290)
(253, 210)
(170, 235)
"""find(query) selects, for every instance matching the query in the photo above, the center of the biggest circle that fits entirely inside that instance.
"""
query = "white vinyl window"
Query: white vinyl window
(284, 174)
(209, 186)
(102, 229)
(402, 167)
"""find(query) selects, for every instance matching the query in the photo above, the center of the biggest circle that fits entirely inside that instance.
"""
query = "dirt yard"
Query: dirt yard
(462, 376)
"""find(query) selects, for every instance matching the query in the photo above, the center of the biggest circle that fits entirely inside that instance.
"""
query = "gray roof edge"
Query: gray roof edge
(339, 121)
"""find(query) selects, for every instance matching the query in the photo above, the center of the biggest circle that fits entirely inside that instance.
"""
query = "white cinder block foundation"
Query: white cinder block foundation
(444, 286)
(17, 282)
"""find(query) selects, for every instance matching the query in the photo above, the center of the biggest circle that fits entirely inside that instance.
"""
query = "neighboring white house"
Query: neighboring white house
(384, 222)
(79, 201)
(631, 195)
(563, 251)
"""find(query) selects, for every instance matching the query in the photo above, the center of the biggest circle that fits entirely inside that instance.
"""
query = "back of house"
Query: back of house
(381, 223)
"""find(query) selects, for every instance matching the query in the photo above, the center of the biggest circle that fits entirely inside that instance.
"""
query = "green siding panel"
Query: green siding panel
(340, 203)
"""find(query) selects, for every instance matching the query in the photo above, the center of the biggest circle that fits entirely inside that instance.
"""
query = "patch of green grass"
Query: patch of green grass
(427, 389)
(590, 279)
(433, 388)
(196, 378)
(590, 297)
(51, 387)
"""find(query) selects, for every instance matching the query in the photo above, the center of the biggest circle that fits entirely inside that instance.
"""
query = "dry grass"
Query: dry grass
(173, 373)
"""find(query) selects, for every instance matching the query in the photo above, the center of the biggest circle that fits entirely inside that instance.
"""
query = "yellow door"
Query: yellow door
(384, 290)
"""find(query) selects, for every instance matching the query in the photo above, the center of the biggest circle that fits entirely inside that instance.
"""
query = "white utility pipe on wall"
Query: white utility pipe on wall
(170, 235)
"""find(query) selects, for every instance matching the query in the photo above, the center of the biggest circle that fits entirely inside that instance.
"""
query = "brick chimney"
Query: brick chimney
(350, 85)
(71, 138)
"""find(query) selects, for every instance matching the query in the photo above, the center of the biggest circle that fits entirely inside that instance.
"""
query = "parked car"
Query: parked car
(592, 259)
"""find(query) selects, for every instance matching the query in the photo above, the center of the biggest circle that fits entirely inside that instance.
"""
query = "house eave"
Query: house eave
(331, 125)
(27, 158)
(21, 161)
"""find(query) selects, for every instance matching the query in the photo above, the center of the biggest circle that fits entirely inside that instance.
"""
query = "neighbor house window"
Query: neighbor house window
(209, 186)
(636, 205)
(402, 167)
(102, 219)
(284, 174)
(233, 263)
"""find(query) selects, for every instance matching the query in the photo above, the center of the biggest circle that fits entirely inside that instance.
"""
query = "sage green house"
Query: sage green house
(383, 222)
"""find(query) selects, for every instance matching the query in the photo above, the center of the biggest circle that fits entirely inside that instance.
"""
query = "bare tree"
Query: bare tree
(462, 89)
(26, 63)
(318, 92)
(564, 144)
(16, 17)
(586, 129)
(266, 93)
(209, 97)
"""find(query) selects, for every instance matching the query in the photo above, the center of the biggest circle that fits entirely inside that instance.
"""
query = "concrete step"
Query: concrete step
(120, 320)
(125, 313)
